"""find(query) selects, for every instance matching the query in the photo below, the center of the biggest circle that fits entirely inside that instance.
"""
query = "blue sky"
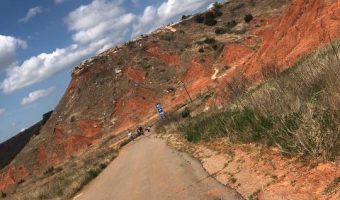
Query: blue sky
(42, 40)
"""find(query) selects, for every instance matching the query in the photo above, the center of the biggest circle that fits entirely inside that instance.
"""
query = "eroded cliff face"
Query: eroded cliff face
(117, 89)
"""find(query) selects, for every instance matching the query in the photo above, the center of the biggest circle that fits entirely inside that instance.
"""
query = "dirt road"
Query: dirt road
(147, 169)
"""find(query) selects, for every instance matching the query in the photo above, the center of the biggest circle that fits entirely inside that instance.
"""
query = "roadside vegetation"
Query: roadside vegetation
(63, 182)
(296, 110)
(331, 187)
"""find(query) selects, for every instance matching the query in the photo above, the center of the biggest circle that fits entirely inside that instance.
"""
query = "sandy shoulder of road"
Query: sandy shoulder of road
(262, 173)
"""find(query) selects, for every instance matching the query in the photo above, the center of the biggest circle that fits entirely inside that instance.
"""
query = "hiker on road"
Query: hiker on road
(140, 131)
(130, 136)
(148, 129)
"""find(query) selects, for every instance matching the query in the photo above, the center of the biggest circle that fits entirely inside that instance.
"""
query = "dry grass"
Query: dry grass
(65, 183)
(331, 187)
(296, 110)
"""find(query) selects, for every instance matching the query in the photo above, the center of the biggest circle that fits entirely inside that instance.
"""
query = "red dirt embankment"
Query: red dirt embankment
(135, 74)
(282, 40)
(236, 54)
(196, 72)
(12, 175)
(303, 27)
(75, 143)
(157, 52)
(134, 107)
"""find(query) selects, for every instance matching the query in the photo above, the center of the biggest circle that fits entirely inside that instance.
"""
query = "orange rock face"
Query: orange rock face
(58, 135)
(163, 55)
(303, 27)
(236, 55)
(75, 82)
(7, 178)
(42, 155)
(90, 128)
(75, 144)
(134, 107)
(135, 75)
(45, 158)
(71, 143)
(12, 175)
(196, 72)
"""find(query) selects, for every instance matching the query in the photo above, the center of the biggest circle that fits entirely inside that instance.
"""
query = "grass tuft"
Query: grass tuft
(332, 186)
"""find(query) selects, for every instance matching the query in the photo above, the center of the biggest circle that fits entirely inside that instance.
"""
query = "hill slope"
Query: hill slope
(117, 89)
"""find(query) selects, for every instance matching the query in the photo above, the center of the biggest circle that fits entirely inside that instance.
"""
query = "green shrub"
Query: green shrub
(218, 13)
(221, 30)
(209, 19)
(332, 185)
(209, 40)
(199, 19)
(21, 181)
(185, 17)
(90, 175)
(217, 6)
(49, 171)
(103, 165)
(226, 28)
(248, 18)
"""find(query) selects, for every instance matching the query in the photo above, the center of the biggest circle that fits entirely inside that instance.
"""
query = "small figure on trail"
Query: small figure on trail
(148, 129)
(130, 136)
(140, 131)
(185, 113)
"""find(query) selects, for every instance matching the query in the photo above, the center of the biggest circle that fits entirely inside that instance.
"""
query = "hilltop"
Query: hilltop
(239, 41)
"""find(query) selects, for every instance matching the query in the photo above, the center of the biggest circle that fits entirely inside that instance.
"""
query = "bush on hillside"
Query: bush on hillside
(209, 19)
(217, 6)
(209, 40)
(248, 18)
(221, 30)
(218, 13)
(185, 17)
(231, 24)
(199, 19)
(226, 28)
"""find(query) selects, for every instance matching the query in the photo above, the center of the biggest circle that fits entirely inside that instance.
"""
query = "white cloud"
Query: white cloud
(32, 12)
(42, 66)
(173, 8)
(167, 12)
(96, 27)
(135, 2)
(98, 20)
(2, 111)
(59, 1)
(8, 46)
(145, 21)
(36, 95)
